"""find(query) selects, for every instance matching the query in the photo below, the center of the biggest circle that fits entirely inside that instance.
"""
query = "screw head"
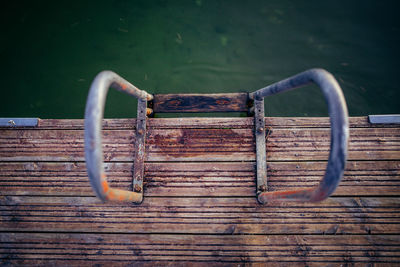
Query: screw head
(137, 188)
(262, 188)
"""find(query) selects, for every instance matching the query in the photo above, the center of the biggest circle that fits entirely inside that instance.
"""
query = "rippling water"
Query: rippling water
(52, 50)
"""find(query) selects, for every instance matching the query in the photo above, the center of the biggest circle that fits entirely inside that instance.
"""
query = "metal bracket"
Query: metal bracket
(138, 166)
(384, 119)
(19, 122)
(259, 132)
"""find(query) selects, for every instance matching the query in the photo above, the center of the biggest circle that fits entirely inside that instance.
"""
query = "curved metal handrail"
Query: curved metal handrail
(93, 141)
(339, 134)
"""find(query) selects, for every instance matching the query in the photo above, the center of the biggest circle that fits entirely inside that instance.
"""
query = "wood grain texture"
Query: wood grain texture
(200, 103)
(281, 122)
(191, 250)
(230, 179)
(200, 216)
(198, 145)
(199, 201)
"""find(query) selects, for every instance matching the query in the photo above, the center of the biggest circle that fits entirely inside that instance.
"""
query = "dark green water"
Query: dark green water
(51, 51)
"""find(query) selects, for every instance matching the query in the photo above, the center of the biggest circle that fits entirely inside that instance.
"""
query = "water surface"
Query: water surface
(51, 51)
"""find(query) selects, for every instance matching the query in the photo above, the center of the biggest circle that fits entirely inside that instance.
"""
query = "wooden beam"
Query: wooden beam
(237, 102)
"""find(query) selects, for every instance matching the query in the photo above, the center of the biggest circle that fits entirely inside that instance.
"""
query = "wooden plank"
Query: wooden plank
(197, 179)
(193, 122)
(159, 123)
(52, 145)
(200, 216)
(198, 145)
(88, 249)
(236, 102)
(320, 122)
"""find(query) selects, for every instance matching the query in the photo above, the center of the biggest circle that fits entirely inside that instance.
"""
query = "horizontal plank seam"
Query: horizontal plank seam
(199, 234)
(195, 161)
(275, 126)
(241, 261)
(193, 196)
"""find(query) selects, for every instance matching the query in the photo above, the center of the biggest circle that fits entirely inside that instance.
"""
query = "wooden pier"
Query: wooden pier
(199, 203)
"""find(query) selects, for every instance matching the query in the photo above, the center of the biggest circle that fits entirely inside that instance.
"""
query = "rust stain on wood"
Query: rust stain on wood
(190, 143)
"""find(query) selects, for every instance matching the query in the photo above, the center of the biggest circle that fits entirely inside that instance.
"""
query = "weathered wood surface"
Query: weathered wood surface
(236, 102)
(197, 179)
(210, 123)
(201, 216)
(225, 144)
(118, 249)
(199, 201)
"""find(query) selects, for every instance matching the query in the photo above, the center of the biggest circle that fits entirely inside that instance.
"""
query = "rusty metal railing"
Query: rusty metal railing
(327, 83)
(93, 141)
(339, 136)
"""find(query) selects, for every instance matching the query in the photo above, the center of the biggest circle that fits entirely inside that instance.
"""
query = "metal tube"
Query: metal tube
(339, 134)
(93, 141)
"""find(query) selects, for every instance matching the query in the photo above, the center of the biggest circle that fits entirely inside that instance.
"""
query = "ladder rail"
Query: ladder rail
(93, 141)
(339, 134)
